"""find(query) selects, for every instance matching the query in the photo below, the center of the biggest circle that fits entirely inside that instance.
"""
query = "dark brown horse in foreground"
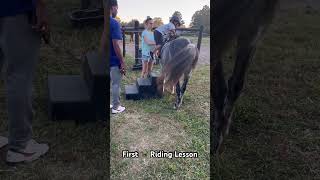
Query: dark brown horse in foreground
(244, 21)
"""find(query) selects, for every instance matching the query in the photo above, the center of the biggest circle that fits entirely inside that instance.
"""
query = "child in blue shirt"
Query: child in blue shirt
(147, 47)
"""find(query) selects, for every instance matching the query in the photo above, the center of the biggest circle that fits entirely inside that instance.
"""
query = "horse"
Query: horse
(131, 35)
(243, 22)
(178, 58)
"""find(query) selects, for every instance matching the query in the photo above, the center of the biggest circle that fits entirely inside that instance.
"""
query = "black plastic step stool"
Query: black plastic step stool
(95, 73)
(144, 88)
(69, 98)
(132, 92)
(80, 97)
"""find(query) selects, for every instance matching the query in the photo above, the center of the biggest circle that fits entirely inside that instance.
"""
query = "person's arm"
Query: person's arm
(42, 22)
(117, 49)
(148, 41)
(116, 36)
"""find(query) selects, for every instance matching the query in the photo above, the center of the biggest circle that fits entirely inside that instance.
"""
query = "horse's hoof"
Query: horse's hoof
(175, 107)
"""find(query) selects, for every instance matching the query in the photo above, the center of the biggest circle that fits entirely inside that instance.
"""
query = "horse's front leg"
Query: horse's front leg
(184, 87)
(219, 95)
(245, 52)
(178, 96)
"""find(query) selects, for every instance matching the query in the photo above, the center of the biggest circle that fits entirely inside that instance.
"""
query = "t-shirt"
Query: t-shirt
(146, 48)
(15, 7)
(115, 33)
(164, 29)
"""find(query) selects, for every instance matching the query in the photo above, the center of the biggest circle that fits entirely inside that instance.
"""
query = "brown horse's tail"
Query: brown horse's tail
(182, 61)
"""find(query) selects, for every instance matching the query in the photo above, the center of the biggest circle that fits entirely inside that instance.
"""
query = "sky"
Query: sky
(140, 9)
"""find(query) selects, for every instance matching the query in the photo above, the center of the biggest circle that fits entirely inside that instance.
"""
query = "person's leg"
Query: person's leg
(150, 66)
(144, 68)
(21, 48)
(3, 140)
(115, 84)
(1, 56)
(2, 60)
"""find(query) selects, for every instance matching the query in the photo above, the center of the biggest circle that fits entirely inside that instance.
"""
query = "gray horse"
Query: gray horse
(178, 58)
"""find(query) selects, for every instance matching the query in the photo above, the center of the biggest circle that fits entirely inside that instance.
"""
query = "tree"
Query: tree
(178, 14)
(201, 17)
(157, 21)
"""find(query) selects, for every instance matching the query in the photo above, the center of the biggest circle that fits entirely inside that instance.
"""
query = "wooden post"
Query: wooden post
(137, 65)
(200, 37)
(123, 42)
(136, 41)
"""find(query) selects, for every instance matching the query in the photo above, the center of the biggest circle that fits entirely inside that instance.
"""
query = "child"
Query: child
(165, 30)
(147, 46)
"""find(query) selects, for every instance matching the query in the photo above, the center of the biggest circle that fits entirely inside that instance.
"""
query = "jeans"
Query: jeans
(19, 50)
(115, 85)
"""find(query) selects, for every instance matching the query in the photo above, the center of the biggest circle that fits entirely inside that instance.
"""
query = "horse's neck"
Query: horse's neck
(163, 47)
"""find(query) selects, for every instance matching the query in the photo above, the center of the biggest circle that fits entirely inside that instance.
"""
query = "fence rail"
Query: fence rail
(137, 29)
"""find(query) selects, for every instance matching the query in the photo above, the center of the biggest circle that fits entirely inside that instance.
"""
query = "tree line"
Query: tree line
(200, 17)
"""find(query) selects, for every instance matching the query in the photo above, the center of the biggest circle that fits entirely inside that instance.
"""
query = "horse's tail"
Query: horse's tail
(180, 62)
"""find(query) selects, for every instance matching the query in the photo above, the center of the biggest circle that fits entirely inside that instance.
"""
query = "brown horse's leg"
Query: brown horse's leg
(160, 85)
(131, 37)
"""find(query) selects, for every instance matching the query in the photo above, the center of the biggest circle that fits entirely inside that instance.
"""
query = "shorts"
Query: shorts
(147, 58)
(158, 38)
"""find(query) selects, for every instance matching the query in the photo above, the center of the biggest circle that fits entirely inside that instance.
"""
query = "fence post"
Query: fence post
(137, 65)
(200, 37)
(123, 42)
(136, 41)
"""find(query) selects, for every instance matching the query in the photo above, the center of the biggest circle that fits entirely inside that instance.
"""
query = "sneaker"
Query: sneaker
(3, 141)
(120, 109)
(32, 152)
(111, 106)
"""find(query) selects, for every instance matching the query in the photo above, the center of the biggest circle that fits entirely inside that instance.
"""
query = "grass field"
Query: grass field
(276, 128)
(76, 152)
(275, 133)
(154, 125)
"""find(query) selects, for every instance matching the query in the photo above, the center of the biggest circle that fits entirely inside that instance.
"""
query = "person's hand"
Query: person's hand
(123, 68)
(42, 22)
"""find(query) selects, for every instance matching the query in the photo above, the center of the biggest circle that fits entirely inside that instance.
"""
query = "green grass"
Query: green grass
(275, 133)
(155, 121)
(76, 151)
